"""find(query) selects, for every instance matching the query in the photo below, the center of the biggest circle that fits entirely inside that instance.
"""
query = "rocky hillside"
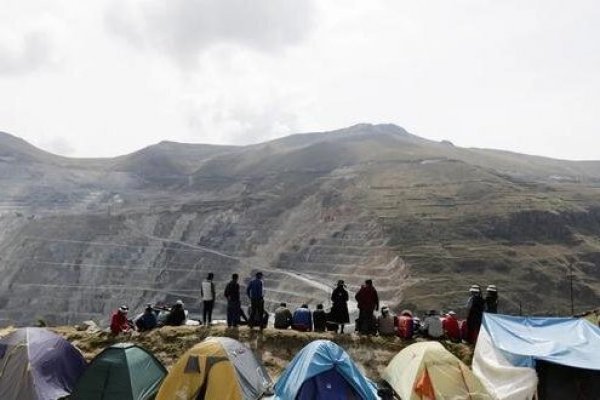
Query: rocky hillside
(424, 219)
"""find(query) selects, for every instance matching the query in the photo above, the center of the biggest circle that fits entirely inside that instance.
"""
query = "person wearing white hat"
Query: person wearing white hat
(451, 328)
(475, 307)
(119, 322)
(491, 299)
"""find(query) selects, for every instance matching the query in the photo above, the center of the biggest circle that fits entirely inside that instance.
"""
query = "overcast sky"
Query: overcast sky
(102, 78)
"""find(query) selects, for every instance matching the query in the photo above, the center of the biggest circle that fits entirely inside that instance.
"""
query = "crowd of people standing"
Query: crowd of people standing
(404, 325)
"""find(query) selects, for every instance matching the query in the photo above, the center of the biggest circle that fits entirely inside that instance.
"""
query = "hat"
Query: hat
(180, 302)
(407, 313)
(451, 313)
(385, 309)
(124, 308)
(492, 288)
(341, 283)
(474, 288)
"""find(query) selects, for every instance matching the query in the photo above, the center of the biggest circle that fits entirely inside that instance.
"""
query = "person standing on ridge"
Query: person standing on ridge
(339, 310)
(475, 308)
(234, 306)
(207, 292)
(491, 299)
(368, 302)
(255, 292)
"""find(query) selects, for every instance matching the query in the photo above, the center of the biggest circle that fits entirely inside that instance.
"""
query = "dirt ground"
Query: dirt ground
(276, 348)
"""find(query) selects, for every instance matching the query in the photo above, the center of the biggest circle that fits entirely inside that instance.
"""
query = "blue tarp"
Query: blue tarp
(316, 358)
(566, 341)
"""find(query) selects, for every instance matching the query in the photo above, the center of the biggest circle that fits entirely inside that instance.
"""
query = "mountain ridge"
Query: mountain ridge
(422, 218)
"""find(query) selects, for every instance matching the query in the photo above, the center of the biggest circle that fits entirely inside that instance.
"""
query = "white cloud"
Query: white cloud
(24, 54)
(483, 73)
(184, 28)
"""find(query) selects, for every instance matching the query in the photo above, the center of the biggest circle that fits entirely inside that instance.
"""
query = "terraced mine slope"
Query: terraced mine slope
(423, 219)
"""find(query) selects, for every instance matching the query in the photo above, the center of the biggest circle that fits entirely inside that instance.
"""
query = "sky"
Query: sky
(104, 78)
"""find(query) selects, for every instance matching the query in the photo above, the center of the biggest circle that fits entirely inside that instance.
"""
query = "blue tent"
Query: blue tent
(36, 364)
(323, 371)
(516, 357)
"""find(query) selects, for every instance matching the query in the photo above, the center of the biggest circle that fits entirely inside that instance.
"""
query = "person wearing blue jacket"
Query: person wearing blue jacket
(302, 319)
(256, 294)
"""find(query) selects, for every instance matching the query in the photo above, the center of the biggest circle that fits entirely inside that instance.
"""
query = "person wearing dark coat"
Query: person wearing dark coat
(176, 316)
(232, 294)
(319, 319)
(491, 299)
(339, 311)
(368, 302)
(255, 292)
(475, 309)
(147, 321)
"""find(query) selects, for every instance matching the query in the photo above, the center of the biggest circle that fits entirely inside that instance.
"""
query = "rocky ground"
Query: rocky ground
(276, 348)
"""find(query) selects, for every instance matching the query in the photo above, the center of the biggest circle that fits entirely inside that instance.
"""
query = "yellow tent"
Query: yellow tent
(427, 371)
(216, 369)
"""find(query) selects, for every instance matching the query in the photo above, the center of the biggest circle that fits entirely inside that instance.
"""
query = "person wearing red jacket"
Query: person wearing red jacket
(451, 328)
(119, 322)
(368, 302)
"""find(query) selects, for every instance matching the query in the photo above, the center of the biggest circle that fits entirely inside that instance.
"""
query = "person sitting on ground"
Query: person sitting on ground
(177, 315)
(283, 317)
(385, 323)
(302, 319)
(432, 326)
(320, 319)
(147, 321)
(119, 322)
(451, 327)
(405, 325)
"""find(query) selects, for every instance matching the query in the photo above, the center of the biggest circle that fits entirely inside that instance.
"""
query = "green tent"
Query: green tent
(123, 371)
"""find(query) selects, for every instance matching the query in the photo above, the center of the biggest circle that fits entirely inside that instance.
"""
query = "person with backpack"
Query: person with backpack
(234, 306)
(207, 292)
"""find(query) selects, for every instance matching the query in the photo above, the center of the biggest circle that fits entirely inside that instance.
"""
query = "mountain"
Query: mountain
(423, 219)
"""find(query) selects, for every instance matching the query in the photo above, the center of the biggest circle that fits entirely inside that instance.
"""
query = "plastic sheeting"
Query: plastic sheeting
(316, 358)
(508, 347)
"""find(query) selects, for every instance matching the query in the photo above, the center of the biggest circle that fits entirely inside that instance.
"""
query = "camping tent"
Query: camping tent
(36, 364)
(123, 371)
(218, 368)
(323, 371)
(426, 370)
(514, 354)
